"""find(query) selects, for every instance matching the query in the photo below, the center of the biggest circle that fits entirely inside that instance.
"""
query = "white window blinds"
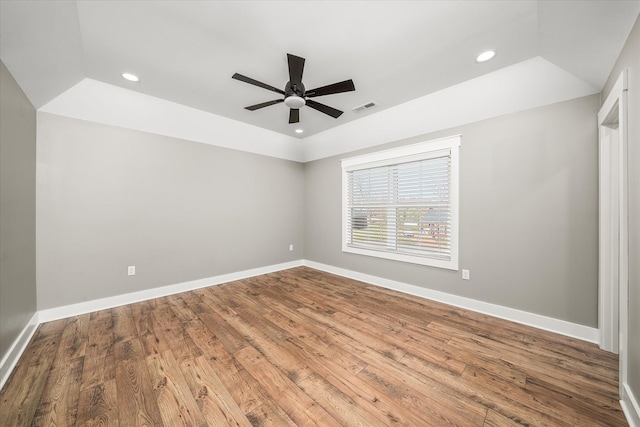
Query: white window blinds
(400, 205)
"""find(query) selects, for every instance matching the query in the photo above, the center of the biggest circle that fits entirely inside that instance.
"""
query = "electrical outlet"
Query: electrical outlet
(131, 270)
(291, 247)
(465, 274)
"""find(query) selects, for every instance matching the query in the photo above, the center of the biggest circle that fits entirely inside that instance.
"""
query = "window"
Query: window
(402, 204)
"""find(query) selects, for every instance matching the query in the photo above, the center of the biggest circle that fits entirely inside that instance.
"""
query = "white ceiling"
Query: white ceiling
(187, 51)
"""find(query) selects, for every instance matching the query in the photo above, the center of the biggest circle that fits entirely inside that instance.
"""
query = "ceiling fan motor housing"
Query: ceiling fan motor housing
(295, 89)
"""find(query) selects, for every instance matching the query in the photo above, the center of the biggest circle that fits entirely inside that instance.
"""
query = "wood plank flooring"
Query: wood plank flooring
(302, 347)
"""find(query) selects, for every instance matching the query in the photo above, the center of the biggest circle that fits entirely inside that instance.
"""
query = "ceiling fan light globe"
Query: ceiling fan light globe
(295, 102)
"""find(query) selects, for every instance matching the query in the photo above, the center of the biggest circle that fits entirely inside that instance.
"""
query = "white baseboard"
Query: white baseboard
(630, 406)
(118, 300)
(573, 330)
(10, 359)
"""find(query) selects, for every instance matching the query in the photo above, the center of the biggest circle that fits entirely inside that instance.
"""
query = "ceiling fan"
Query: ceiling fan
(295, 95)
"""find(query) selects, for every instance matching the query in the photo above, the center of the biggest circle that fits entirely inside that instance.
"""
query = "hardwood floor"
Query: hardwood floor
(302, 347)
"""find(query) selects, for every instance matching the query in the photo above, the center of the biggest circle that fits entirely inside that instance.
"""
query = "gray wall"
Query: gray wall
(528, 209)
(178, 210)
(630, 59)
(17, 210)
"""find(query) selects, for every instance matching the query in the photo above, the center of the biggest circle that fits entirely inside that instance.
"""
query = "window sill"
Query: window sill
(449, 265)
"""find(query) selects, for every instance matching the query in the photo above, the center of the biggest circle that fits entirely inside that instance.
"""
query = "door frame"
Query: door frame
(613, 275)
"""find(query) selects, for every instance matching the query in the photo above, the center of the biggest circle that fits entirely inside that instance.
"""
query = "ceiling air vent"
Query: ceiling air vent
(363, 107)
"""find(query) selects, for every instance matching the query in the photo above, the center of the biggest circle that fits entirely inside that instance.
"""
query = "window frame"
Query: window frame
(405, 154)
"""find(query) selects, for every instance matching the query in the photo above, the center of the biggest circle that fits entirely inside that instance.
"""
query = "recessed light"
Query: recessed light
(131, 77)
(486, 55)
(299, 130)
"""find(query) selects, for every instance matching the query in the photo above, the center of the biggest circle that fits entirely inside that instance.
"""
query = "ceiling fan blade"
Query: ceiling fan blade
(345, 86)
(296, 67)
(256, 83)
(324, 108)
(264, 104)
(294, 115)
